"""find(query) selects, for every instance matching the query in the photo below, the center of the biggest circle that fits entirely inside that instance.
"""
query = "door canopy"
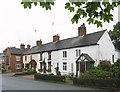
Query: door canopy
(85, 57)
(33, 62)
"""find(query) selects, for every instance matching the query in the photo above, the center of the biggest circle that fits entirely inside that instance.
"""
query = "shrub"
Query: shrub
(97, 82)
(27, 65)
(95, 72)
(9, 68)
(105, 65)
(49, 77)
(3, 70)
(116, 69)
(26, 72)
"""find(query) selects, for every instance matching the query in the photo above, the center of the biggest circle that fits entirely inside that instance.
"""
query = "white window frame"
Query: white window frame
(64, 66)
(64, 53)
(18, 58)
(78, 52)
(17, 66)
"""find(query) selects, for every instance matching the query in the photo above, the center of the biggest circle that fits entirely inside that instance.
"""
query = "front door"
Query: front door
(82, 67)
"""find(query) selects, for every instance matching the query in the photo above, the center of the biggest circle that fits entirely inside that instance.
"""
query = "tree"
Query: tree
(115, 35)
(95, 11)
(116, 69)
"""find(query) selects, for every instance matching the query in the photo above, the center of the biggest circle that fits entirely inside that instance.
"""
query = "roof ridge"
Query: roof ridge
(71, 38)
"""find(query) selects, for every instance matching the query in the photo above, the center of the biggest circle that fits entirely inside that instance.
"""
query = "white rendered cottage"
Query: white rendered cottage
(72, 55)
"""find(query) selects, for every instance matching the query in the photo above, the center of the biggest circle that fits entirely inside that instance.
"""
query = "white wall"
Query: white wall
(106, 48)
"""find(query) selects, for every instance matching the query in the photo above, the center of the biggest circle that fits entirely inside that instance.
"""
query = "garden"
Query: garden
(104, 75)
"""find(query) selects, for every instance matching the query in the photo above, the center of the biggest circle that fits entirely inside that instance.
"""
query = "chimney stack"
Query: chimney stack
(38, 42)
(56, 38)
(82, 30)
(28, 46)
(22, 46)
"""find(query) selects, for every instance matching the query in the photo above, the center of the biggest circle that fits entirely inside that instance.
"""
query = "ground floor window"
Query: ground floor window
(18, 66)
(40, 65)
(64, 66)
(71, 67)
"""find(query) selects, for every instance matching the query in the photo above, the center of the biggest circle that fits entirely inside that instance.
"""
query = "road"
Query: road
(18, 83)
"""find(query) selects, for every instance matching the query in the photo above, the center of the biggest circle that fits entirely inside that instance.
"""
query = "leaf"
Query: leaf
(67, 5)
(35, 3)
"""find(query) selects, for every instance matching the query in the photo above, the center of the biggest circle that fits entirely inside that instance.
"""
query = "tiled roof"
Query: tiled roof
(17, 51)
(87, 40)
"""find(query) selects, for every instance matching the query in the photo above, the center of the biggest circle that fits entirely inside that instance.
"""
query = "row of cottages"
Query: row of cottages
(72, 55)
(13, 57)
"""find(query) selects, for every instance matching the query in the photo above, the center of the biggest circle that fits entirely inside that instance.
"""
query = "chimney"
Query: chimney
(22, 46)
(38, 42)
(82, 30)
(28, 46)
(56, 38)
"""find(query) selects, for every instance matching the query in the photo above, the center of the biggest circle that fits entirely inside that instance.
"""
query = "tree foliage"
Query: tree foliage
(95, 12)
(115, 35)
(116, 69)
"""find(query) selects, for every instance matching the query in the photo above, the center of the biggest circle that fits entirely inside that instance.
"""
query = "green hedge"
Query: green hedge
(26, 72)
(49, 77)
(99, 83)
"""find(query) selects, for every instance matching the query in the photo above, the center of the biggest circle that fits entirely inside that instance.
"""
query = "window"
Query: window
(49, 65)
(78, 52)
(64, 66)
(25, 58)
(31, 57)
(71, 67)
(49, 55)
(18, 66)
(18, 58)
(40, 56)
(113, 58)
(40, 65)
(64, 54)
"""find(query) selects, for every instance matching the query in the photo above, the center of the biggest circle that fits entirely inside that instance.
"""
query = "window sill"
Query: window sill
(64, 58)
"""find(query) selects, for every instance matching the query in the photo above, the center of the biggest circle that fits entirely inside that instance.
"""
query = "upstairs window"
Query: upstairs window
(40, 56)
(64, 54)
(49, 55)
(78, 52)
(18, 58)
(25, 58)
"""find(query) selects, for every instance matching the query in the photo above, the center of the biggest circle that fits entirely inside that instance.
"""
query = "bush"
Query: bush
(3, 70)
(27, 65)
(9, 68)
(26, 72)
(95, 72)
(116, 69)
(97, 82)
(105, 65)
(49, 77)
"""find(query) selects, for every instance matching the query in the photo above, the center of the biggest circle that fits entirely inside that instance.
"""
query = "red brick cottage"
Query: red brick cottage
(14, 57)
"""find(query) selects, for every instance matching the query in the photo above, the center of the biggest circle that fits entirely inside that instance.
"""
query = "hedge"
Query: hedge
(49, 77)
(99, 83)
(25, 72)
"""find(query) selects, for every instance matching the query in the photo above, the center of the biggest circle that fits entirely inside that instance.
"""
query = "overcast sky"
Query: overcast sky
(18, 25)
